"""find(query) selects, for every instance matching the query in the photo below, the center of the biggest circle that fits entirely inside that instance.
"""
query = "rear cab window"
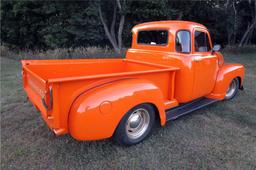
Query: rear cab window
(153, 37)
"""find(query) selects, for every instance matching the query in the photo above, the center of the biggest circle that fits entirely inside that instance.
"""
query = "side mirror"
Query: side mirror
(216, 47)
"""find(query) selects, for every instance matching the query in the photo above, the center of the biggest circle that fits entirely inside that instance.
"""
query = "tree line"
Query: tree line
(70, 24)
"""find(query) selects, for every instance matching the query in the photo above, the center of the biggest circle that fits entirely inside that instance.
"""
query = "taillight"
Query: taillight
(47, 100)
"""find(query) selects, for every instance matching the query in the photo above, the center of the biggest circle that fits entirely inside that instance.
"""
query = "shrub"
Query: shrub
(61, 53)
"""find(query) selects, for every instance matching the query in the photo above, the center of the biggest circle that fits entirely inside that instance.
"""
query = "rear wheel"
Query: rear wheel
(232, 89)
(136, 125)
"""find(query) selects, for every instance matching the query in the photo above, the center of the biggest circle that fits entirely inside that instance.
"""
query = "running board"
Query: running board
(176, 112)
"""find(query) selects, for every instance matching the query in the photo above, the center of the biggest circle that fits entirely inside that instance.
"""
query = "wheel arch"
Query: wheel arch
(226, 73)
(96, 114)
(157, 113)
(241, 87)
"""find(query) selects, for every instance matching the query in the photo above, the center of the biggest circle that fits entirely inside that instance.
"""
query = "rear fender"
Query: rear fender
(227, 72)
(96, 113)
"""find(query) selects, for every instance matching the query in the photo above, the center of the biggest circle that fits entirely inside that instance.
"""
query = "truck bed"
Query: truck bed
(61, 70)
(53, 85)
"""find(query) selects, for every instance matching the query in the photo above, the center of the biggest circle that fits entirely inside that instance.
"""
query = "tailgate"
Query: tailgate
(37, 91)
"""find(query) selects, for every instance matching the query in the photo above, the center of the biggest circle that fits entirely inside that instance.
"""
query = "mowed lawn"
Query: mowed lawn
(221, 136)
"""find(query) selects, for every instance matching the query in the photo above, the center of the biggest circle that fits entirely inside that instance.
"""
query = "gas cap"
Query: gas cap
(105, 107)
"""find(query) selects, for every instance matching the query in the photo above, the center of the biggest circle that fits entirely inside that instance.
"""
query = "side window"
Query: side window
(153, 37)
(202, 43)
(182, 42)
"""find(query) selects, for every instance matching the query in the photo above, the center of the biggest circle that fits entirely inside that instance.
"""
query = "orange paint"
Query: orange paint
(88, 97)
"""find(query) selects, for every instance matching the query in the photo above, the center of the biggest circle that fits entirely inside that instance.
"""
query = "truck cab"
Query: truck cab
(171, 69)
(186, 45)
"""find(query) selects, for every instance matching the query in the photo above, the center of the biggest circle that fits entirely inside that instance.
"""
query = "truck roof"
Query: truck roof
(168, 24)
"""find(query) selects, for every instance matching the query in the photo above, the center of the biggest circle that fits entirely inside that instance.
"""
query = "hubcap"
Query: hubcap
(231, 90)
(137, 123)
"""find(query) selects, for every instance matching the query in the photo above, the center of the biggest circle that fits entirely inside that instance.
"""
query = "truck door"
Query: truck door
(204, 62)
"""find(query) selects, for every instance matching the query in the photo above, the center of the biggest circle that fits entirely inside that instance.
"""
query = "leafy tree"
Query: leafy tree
(22, 22)
(70, 24)
(85, 26)
(113, 32)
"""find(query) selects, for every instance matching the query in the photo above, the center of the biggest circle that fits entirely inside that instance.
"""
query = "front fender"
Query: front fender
(96, 113)
(226, 73)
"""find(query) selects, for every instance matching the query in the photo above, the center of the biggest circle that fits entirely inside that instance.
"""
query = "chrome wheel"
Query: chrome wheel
(232, 89)
(137, 123)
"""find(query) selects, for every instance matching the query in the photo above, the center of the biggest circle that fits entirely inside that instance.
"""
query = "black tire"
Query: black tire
(123, 136)
(234, 84)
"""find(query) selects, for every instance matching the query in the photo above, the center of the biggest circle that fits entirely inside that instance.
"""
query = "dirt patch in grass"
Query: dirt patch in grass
(221, 136)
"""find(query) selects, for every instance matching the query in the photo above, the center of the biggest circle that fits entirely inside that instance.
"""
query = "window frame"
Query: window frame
(145, 44)
(209, 38)
(190, 42)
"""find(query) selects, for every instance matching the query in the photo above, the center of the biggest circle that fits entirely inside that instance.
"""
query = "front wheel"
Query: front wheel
(136, 125)
(232, 89)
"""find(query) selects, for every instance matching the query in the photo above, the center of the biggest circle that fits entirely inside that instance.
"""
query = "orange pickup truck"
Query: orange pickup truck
(171, 69)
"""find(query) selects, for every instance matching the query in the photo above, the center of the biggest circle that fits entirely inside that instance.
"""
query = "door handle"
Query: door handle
(197, 58)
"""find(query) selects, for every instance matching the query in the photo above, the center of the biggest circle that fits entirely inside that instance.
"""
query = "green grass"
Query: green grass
(221, 136)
